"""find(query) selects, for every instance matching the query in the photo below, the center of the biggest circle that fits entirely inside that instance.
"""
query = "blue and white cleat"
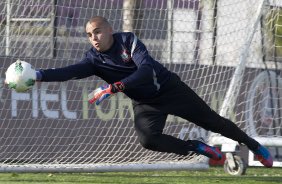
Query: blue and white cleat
(263, 155)
(209, 151)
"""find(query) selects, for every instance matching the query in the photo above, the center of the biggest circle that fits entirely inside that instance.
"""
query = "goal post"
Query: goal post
(233, 89)
(235, 83)
(52, 128)
(262, 106)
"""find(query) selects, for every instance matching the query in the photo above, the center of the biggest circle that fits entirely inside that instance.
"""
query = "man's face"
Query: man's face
(100, 35)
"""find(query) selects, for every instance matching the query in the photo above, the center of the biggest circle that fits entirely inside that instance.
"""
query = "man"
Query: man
(124, 63)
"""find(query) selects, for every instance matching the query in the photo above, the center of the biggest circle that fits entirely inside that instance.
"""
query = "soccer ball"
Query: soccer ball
(20, 76)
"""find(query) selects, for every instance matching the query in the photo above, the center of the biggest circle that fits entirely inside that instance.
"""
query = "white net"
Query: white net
(202, 41)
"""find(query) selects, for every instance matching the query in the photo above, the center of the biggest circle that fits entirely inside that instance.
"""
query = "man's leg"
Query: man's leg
(149, 124)
(184, 102)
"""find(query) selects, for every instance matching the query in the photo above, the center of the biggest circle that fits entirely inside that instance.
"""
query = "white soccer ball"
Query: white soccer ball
(20, 76)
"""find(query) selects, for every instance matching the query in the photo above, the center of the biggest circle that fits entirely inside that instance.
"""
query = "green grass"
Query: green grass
(213, 175)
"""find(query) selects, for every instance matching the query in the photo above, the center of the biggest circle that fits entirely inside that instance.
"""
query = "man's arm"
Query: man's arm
(144, 62)
(79, 70)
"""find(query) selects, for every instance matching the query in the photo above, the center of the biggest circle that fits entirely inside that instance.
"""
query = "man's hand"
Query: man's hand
(105, 91)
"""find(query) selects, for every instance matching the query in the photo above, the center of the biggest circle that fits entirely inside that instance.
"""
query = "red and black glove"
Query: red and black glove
(105, 91)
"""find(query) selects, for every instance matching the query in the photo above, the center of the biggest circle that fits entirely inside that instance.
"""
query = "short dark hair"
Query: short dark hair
(101, 19)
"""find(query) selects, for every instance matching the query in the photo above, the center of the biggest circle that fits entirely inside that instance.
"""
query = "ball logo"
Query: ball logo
(18, 68)
(125, 55)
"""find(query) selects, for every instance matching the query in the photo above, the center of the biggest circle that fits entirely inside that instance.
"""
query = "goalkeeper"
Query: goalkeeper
(123, 61)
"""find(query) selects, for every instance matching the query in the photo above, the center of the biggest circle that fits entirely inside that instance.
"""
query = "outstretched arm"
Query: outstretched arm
(79, 70)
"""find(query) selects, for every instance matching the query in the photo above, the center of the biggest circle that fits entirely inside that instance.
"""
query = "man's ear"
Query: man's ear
(111, 29)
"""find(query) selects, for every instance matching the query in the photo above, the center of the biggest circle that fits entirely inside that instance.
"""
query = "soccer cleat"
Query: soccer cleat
(263, 155)
(207, 150)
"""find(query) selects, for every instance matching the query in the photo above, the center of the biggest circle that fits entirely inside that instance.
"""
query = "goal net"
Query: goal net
(53, 128)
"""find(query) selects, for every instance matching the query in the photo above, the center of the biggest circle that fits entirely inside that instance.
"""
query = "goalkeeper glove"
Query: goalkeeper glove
(105, 91)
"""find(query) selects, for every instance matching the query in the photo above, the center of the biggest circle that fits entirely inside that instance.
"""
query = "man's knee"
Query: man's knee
(149, 141)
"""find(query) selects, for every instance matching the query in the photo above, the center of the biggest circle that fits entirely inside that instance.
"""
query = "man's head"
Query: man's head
(99, 32)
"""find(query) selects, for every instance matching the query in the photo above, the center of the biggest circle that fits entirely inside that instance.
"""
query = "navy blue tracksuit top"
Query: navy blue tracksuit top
(127, 61)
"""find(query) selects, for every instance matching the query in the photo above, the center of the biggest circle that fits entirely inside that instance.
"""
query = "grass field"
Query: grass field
(213, 175)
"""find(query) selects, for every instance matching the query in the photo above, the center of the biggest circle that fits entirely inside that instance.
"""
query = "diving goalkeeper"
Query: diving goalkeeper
(123, 61)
